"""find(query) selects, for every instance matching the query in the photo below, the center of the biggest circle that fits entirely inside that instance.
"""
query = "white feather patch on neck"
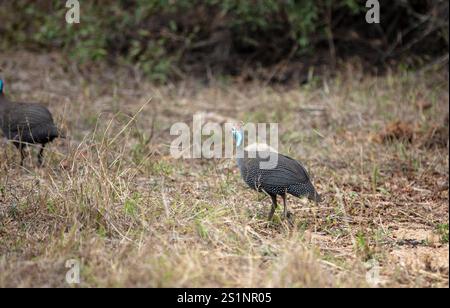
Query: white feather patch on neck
(260, 147)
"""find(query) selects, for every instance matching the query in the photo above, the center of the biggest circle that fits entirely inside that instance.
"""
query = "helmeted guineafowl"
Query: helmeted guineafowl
(25, 123)
(287, 176)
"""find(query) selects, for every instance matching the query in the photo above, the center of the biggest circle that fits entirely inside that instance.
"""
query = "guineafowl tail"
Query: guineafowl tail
(315, 197)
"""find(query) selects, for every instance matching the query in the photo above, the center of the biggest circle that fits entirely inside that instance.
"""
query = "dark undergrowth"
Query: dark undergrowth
(277, 41)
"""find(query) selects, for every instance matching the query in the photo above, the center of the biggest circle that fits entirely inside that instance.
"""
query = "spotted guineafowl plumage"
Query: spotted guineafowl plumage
(288, 176)
(25, 123)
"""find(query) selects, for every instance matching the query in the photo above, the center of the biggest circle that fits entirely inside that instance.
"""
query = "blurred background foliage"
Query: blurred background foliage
(170, 39)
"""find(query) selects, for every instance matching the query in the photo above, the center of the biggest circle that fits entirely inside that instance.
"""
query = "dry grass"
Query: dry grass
(114, 199)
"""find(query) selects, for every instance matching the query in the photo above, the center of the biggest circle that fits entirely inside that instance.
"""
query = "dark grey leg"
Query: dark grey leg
(274, 206)
(285, 212)
(287, 215)
(22, 154)
(41, 155)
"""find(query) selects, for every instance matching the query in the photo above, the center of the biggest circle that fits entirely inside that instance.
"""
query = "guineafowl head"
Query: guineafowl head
(1, 86)
(238, 134)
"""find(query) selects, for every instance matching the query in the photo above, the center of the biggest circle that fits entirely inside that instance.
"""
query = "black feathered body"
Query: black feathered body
(288, 176)
(27, 123)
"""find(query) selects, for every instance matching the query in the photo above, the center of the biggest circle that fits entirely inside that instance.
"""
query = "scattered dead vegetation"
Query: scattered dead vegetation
(396, 131)
(436, 135)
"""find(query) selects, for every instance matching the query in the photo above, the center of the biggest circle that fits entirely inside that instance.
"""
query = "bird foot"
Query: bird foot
(290, 218)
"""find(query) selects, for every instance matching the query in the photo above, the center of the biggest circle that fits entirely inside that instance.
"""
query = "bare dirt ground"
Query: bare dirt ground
(112, 197)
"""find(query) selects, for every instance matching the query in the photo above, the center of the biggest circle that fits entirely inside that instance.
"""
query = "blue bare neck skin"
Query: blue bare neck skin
(239, 148)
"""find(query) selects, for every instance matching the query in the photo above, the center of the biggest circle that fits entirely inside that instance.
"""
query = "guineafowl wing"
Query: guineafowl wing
(296, 165)
(30, 115)
(30, 123)
(287, 172)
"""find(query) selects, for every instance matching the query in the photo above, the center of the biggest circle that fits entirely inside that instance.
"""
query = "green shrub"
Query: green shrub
(163, 37)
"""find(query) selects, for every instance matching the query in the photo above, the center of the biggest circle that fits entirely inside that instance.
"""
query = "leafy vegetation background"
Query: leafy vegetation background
(168, 39)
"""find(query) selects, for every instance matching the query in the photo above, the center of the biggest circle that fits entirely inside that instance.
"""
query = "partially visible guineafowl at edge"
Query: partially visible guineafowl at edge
(286, 176)
(25, 124)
